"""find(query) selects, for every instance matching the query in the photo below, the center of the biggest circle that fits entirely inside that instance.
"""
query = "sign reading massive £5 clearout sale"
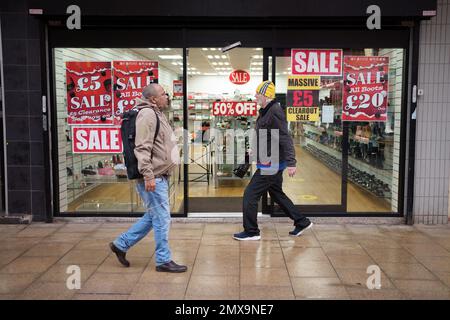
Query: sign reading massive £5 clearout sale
(89, 98)
(96, 140)
(302, 98)
(365, 95)
(130, 77)
(229, 108)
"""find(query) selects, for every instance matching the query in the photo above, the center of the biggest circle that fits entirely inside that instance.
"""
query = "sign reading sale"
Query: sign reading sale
(89, 98)
(96, 140)
(130, 77)
(239, 77)
(316, 62)
(365, 96)
(224, 108)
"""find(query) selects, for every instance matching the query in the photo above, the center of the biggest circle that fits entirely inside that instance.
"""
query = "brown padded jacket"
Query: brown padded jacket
(165, 150)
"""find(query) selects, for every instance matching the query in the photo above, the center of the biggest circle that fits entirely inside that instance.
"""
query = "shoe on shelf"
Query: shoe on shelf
(120, 255)
(245, 236)
(299, 230)
(171, 267)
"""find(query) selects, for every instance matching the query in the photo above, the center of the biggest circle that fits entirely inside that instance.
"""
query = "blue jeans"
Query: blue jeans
(157, 216)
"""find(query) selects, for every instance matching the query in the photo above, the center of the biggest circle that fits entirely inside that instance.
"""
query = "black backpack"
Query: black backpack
(128, 131)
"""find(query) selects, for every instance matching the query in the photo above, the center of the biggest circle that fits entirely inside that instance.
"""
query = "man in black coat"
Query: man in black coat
(271, 135)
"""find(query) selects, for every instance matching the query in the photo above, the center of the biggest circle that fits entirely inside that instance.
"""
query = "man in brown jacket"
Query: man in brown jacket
(155, 163)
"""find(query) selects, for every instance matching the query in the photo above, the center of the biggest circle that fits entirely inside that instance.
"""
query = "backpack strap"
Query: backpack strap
(157, 128)
(156, 131)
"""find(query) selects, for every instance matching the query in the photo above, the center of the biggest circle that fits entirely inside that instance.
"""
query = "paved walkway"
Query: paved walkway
(327, 262)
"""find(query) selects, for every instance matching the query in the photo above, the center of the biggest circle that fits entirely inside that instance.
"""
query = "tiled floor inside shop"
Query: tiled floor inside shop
(327, 262)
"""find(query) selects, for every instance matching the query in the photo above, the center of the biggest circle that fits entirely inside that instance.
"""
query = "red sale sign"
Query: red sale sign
(96, 140)
(130, 77)
(234, 109)
(89, 93)
(365, 90)
(317, 62)
(239, 77)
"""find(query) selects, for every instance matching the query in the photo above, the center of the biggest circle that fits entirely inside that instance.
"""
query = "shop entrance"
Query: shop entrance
(221, 111)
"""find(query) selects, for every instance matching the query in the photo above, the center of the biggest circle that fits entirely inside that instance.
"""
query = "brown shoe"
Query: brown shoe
(120, 255)
(171, 267)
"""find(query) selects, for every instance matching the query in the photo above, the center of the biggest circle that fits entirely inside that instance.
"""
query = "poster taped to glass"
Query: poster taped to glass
(89, 98)
(365, 95)
(130, 77)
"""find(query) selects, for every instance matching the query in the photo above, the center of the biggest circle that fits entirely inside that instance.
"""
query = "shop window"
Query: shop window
(93, 88)
(374, 139)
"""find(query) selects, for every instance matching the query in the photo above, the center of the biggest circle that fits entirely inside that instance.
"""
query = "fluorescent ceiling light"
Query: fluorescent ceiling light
(213, 49)
(171, 57)
(175, 63)
(205, 49)
(210, 57)
(210, 74)
(226, 63)
(217, 57)
(220, 63)
(214, 63)
(224, 56)
(167, 49)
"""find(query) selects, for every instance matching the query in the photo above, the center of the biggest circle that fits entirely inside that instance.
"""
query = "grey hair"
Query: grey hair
(150, 90)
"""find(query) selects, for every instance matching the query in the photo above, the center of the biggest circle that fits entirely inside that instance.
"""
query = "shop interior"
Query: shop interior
(96, 183)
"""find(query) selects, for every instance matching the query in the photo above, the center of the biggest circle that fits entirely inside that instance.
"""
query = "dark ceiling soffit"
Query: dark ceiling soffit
(229, 23)
(238, 8)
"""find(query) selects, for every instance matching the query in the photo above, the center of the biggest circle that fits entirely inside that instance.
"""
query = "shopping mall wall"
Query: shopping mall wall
(432, 166)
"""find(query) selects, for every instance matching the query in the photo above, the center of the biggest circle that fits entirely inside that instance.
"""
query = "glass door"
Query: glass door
(313, 107)
(221, 111)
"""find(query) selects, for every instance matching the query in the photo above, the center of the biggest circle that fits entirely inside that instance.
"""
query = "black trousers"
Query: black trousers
(259, 184)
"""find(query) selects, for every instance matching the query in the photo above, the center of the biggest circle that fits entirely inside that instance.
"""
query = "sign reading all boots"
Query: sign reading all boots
(130, 77)
(89, 98)
(365, 96)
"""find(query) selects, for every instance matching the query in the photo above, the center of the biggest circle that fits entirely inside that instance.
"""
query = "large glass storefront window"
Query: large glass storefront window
(373, 145)
(93, 88)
